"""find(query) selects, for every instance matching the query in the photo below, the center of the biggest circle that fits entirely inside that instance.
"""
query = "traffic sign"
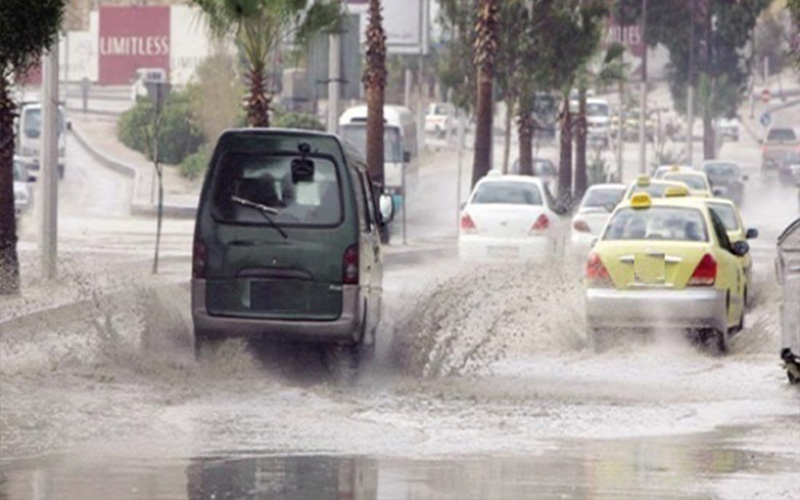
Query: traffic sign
(765, 119)
(766, 95)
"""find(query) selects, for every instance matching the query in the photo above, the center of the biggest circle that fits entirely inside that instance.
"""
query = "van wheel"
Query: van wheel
(204, 345)
(343, 362)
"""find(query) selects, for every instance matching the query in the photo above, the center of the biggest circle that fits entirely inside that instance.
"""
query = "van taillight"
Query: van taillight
(199, 259)
(596, 272)
(705, 273)
(350, 266)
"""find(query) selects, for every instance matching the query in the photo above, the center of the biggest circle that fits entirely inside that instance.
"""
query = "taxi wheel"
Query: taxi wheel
(715, 341)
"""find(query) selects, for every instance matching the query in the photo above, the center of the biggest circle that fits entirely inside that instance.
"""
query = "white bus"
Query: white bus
(29, 136)
(400, 146)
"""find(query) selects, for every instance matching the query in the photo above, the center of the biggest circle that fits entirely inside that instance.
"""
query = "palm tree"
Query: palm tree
(375, 82)
(26, 30)
(258, 27)
(485, 51)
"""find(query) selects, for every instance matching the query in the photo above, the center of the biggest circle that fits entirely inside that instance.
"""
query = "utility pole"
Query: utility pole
(690, 96)
(334, 79)
(643, 104)
(49, 163)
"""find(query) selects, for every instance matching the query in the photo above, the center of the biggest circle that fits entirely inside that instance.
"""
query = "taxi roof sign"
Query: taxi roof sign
(643, 180)
(641, 200)
(676, 191)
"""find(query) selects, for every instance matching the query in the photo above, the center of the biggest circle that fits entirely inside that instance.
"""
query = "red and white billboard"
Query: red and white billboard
(131, 38)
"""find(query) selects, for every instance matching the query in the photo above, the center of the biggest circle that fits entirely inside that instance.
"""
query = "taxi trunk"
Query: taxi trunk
(650, 264)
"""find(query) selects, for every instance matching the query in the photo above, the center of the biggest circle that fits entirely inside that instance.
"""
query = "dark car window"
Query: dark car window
(781, 135)
(512, 193)
(719, 229)
(657, 223)
(721, 169)
(19, 172)
(269, 180)
(726, 215)
(693, 181)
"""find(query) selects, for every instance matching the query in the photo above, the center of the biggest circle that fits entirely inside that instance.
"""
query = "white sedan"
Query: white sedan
(509, 217)
(594, 211)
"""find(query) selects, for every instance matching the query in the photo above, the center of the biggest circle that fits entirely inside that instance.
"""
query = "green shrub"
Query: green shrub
(194, 166)
(179, 136)
(303, 121)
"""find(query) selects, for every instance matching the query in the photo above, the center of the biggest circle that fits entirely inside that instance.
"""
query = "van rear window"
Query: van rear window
(301, 198)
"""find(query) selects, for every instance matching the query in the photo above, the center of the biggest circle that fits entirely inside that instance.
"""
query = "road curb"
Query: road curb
(172, 211)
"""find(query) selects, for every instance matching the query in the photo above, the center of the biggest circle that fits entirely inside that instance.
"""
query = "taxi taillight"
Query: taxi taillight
(705, 274)
(596, 272)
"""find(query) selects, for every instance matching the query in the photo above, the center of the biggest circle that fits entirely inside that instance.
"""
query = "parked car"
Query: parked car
(779, 142)
(29, 136)
(728, 128)
(593, 213)
(509, 217)
(665, 263)
(144, 76)
(543, 169)
(441, 117)
(23, 194)
(287, 243)
(787, 266)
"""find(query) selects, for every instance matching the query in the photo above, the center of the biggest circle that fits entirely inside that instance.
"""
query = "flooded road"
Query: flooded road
(483, 387)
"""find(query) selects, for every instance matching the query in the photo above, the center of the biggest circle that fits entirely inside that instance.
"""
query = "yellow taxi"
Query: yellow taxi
(695, 179)
(732, 219)
(653, 187)
(666, 263)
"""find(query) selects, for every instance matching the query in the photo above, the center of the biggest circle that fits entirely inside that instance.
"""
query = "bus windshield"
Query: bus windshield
(392, 145)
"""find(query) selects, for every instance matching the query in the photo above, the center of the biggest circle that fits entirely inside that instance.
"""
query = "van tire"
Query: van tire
(342, 362)
(204, 345)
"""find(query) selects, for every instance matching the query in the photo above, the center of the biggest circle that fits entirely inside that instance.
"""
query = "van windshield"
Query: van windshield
(392, 147)
(300, 199)
(33, 123)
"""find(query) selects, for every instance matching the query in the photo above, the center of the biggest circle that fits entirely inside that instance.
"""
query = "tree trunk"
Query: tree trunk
(565, 155)
(507, 136)
(709, 138)
(580, 146)
(375, 83)
(486, 48)
(258, 103)
(9, 263)
(525, 129)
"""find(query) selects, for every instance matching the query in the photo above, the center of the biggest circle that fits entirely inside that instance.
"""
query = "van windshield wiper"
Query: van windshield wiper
(267, 212)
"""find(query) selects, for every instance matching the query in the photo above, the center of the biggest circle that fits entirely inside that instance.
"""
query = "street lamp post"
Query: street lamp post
(643, 104)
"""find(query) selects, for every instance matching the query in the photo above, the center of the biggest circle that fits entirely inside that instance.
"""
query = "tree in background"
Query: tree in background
(794, 11)
(375, 83)
(485, 54)
(722, 30)
(26, 30)
(258, 27)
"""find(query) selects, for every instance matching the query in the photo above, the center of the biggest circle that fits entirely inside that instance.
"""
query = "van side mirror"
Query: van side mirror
(387, 208)
(752, 233)
(406, 156)
(740, 248)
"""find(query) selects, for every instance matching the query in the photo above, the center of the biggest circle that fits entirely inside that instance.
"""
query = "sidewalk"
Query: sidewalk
(98, 134)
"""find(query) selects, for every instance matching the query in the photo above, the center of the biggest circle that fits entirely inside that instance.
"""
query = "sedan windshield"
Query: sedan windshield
(510, 193)
(657, 223)
(602, 197)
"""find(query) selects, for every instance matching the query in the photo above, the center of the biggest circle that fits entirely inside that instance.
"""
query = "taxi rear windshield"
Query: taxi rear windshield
(657, 223)
(655, 190)
(693, 181)
(311, 199)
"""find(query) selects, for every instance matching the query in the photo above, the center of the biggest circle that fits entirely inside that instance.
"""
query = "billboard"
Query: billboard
(403, 21)
(131, 38)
